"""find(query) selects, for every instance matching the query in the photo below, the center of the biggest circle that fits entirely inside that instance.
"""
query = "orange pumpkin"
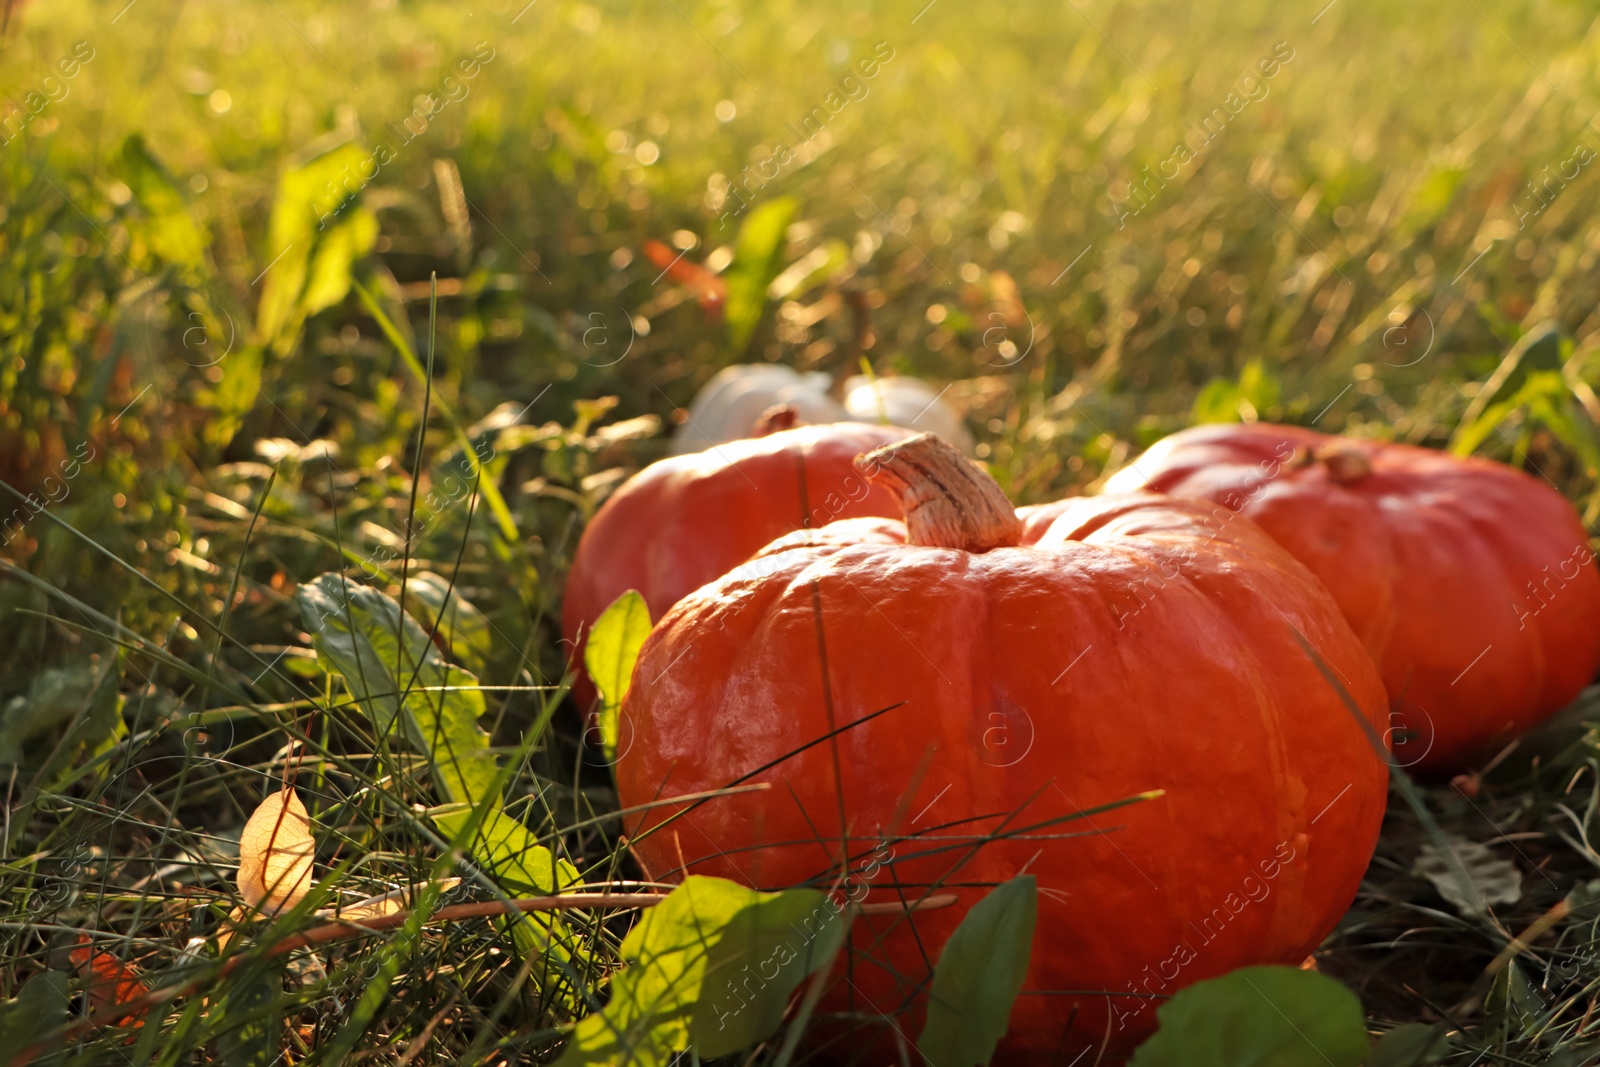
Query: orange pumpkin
(686, 520)
(1129, 649)
(1472, 584)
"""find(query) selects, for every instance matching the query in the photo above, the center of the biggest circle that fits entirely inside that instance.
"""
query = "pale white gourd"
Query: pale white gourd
(732, 402)
(908, 402)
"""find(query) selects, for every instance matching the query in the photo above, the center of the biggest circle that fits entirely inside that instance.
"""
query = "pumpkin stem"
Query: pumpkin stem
(949, 501)
(776, 418)
(1346, 463)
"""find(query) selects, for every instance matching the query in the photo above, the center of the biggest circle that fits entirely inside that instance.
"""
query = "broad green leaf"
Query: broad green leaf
(1411, 1045)
(1539, 386)
(411, 691)
(56, 695)
(231, 399)
(764, 953)
(342, 245)
(668, 995)
(979, 975)
(461, 624)
(1584, 900)
(81, 698)
(1217, 401)
(609, 656)
(1541, 348)
(756, 254)
(653, 998)
(99, 727)
(356, 630)
(1582, 1054)
(504, 845)
(167, 224)
(1513, 1006)
(435, 705)
(1259, 1017)
(1529, 377)
(1561, 413)
(317, 232)
(40, 1007)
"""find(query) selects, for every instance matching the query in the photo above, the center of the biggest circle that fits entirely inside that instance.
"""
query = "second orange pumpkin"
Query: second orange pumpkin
(1472, 584)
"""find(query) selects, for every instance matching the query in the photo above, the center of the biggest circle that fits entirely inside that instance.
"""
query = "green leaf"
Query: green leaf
(318, 231)
(504, 846)
(341, 246)
(231, 399)
(167, 225)
(1410, 1046)
(92, 733)
(1584, 901)
(1542, 348)
(810, 270)
(609, 656)
(40, 1007)
(1537, 386)
(398, 676)
(357, 633)
(757, 252)
(682, 958)
(250, 1032)
(435, 705)
(1562, 415)
(764, 953)
(460, 623)
(979, 975)
(56, 695)
(1259, 1017)
(82, 698)
(1576, 1055)
(1530, 376)
(1255, 394)
(1513, 1005)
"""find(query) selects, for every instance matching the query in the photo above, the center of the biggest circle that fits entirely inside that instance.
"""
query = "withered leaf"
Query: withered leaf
(275, 852)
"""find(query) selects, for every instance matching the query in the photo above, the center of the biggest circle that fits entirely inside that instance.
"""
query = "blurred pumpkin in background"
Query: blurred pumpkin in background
(688, 519)
(1472, 584)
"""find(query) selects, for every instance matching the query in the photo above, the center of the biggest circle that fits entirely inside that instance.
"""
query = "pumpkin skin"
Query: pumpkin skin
(685, 520)
(1471, 583)
(1030, 687)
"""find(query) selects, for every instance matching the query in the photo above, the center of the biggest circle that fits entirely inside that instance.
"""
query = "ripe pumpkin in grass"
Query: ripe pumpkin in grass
(1129, 649)
(686, 520)
(1472, 584)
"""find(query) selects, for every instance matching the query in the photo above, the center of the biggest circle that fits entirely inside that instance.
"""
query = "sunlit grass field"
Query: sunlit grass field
(1095, 222)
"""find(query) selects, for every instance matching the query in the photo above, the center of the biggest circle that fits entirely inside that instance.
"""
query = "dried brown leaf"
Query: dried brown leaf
(275, 852)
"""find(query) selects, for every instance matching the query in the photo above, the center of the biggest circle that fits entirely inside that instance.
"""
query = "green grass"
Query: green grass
(1346, 250)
